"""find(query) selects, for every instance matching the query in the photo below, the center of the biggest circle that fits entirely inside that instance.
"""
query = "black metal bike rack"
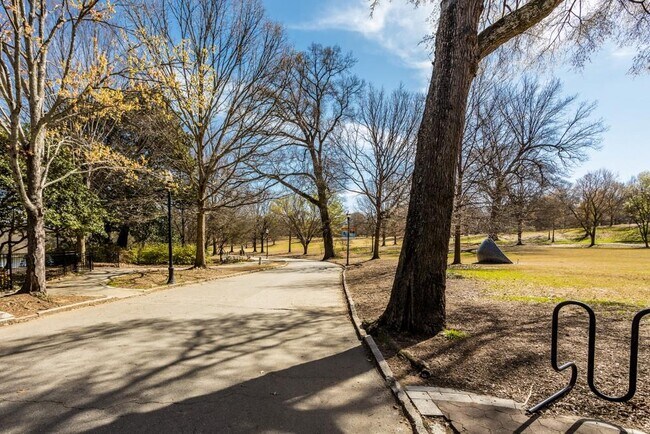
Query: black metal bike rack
(634, 353)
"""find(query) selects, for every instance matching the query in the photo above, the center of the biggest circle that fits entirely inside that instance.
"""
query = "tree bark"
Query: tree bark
(200, 260)
(520, 229)
(457, 234)
(328, 238)
(214, 246)
(183, 227)
(375, 245)
(123, 237)
(553, 234)
(35, 275)
(592, 237)
(81, 248)
(289, 242)
(417, 302)
(255, 243)
(304, 248)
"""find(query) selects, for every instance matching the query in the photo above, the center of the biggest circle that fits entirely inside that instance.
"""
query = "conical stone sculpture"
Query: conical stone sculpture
(489, 253)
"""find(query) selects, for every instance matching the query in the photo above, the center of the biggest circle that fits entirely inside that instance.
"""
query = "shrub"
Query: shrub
(156, 254)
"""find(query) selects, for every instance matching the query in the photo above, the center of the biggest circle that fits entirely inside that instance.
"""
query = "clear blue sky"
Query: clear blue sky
(388, 51)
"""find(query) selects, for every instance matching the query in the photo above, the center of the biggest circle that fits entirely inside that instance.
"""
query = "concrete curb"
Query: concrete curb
(40, 313)
(411, 412)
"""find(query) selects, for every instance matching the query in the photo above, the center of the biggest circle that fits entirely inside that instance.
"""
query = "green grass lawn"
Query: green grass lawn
(615, 272)
(545, 273)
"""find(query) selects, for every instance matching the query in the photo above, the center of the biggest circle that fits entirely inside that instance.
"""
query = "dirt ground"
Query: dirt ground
(147, 279)
(507, 349)
(24, 304)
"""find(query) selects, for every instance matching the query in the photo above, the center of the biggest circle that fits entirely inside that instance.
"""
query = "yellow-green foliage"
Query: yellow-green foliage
(453, 334)
(156, 254)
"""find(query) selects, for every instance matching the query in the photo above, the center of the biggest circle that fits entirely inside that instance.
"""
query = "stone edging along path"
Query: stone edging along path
(107, 299)
(411, 412)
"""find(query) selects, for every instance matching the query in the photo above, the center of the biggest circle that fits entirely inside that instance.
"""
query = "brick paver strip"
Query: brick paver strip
(472, 413)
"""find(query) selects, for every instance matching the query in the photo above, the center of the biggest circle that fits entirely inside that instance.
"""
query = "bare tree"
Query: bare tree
(468, 169)
(467, 32)
(524, 196)
(301, 217)
(318, 98)
(637, 204)
(378, 149)
(532, 135)
(588, 200)
(214, 62)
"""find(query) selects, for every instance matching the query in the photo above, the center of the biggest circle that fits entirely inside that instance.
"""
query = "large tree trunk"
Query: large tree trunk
(553, 233)
(289, 242)
(35, 275)
(183, 227)
(200, 260)
(262, 242)
(255, 243)
(458, 197)
(457, 235)
(493, 223)
(375, 245)
(304, 248)
(81, 248)
(417, 302)
(328, 238)
(592, 237)
(520, 229)
(123, 237)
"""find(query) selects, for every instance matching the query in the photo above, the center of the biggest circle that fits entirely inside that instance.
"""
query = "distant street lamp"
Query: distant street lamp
(169, 180)
(347, 257)
(267, 243)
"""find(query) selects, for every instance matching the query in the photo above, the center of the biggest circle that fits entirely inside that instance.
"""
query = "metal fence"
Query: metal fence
(13, 267)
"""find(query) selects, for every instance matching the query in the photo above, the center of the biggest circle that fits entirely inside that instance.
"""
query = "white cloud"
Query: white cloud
(397, 26)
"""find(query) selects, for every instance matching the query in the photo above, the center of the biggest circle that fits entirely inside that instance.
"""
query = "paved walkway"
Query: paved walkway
(93, 284)
(262, 352)
(470, 413)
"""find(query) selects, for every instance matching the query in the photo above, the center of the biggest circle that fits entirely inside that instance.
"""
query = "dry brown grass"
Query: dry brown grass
(20, 305)
(506, 351)
(147, 279)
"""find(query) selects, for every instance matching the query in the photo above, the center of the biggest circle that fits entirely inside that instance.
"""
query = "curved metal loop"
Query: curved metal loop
(634, 353)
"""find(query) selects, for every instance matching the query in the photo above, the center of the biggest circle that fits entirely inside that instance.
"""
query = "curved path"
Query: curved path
(266, 352)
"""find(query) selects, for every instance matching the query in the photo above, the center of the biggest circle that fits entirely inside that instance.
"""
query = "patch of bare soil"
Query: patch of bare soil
(507, 351)
(20, 305)
(147, 279)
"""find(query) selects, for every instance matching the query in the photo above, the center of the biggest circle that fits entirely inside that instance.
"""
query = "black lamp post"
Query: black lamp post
(347, 257)
(170, 250)
(170, 278)
(267, 244)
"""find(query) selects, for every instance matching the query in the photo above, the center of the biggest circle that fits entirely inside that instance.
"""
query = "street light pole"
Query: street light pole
(347, 257)
(267, 244)
(170, 278)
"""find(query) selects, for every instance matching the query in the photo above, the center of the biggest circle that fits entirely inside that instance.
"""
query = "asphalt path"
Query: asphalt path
(272, 351)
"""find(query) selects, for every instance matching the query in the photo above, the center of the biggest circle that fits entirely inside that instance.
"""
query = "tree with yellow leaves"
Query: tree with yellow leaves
(54, 64)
